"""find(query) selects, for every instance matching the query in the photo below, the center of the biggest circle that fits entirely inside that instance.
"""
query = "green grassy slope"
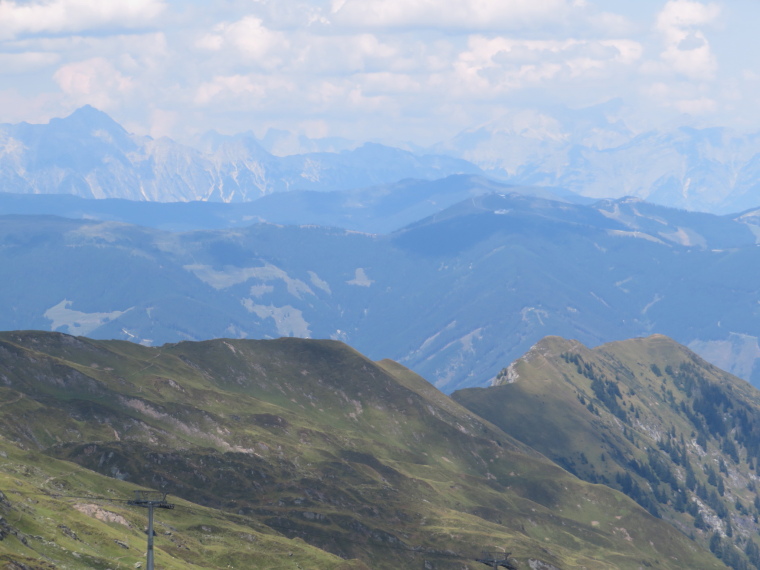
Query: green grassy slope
(307, 440)
(648, 417)
(55, 514)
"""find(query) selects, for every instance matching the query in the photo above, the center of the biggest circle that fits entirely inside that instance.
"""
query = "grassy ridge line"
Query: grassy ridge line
(648, 417)
(321, 443)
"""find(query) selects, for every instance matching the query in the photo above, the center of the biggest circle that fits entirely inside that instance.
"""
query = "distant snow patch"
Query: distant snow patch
(312, 170)
(657, 299)
(455, 356)
(686, 237)
(538, 314)
(639, 235)
(97, 232)
(360, 279)
(620, 284)
(755, 229)
(288, 320)
(134, 338)
(598, 298)
(234, 275)
(260, 290)
(77, 322)
(428, 341)
(95, 187)
(319, 283)
(10, 147)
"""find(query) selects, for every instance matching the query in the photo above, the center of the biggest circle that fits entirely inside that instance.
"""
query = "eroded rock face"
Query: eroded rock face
(101, 514)
(7, 530)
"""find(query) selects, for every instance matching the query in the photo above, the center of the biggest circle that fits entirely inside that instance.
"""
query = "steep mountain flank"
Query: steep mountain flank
(56, 515)
(647, 417)
(314, 441)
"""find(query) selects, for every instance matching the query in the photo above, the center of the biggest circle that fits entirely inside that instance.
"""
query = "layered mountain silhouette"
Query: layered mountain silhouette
(453, 296)
(589, 152)
(375, 209)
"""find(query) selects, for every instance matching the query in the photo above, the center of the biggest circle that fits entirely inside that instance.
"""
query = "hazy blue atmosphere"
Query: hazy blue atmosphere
(388, 70)
(380, 284)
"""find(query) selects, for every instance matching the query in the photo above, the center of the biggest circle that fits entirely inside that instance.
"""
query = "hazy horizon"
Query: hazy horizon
(381, 70)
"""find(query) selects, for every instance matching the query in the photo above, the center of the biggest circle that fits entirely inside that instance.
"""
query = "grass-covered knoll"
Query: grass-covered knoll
(647, 417)
(311, 441)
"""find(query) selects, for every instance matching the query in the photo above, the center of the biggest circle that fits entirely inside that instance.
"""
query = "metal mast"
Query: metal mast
(150, 500)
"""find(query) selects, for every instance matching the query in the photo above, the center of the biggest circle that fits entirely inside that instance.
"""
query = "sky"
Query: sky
(385, 70)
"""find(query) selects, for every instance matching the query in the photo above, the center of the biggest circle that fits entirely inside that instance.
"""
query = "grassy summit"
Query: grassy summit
(647, 417)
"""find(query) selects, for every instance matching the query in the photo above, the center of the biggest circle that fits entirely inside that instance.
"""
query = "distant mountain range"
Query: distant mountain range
(453, 296)
(595, 153)
(294, 453)
(375, 209)
(589, 152)
(88, 154)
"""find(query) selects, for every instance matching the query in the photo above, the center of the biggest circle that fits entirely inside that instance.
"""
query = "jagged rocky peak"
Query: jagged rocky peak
(88, 119)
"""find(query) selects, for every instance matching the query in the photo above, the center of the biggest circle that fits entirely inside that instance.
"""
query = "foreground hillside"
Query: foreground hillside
(648, 417)
(57, 515)
(288, 439)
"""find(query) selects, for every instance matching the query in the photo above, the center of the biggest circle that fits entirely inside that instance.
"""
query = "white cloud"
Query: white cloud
(457, 14)
(497, 65)
(687, 50)
(65, 16)
(680, 14)
(365, 68)
(683, 97)
(250, 38)
(37, 108)
(26, 62)
(699, 106)
(163, 122)
(250, 88)
(95, 81)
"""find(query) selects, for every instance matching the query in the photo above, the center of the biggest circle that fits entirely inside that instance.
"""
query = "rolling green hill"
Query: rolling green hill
(647, 417)
(278, 447)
